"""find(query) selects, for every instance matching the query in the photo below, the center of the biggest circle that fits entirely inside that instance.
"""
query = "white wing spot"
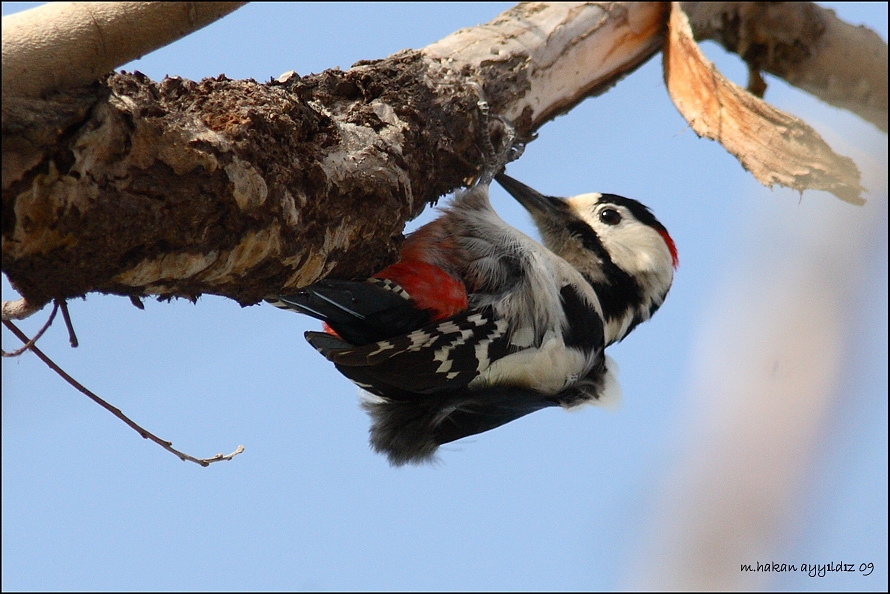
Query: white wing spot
(443, 356)
(477, 319)
(384, 345)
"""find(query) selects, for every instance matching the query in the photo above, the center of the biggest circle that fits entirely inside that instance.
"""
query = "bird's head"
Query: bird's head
(616, 243)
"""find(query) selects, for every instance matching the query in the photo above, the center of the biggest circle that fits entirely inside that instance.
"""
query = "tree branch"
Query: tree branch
(241, 189)
(235, 188)
(19, 309)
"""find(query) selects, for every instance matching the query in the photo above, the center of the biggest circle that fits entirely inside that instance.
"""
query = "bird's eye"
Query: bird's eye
(610, 216)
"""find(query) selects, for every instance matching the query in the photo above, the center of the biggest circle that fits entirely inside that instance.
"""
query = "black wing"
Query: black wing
(439, 357)
(362, 312)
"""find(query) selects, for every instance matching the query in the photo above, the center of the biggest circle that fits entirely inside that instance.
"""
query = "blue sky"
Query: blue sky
(554, 501)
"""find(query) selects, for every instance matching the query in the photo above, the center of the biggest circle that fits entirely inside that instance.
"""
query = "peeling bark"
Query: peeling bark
(805, 45)
(774, 146)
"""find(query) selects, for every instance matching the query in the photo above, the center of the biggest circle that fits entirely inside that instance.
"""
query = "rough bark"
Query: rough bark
(233, 187)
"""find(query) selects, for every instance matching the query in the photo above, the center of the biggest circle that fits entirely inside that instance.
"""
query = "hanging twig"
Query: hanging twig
(167, 445)
(72, 338)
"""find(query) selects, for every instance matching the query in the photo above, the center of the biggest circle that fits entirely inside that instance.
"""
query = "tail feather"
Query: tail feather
(410, 431)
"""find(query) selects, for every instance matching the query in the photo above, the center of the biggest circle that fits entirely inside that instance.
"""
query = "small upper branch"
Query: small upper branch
(19, 309)
(66, 45)
(29, 343)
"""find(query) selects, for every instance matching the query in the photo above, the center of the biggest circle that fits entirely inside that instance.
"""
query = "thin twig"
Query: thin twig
(167, 445)
(72, 338)
(37, 336)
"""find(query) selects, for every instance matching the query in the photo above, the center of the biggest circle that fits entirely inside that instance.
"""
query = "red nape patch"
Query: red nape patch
(430, 287)
(671, 247)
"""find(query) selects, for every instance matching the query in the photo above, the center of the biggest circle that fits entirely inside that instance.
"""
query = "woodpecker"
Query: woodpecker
(478, 324)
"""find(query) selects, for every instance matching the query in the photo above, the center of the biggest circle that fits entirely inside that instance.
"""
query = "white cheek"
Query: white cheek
(636, 248)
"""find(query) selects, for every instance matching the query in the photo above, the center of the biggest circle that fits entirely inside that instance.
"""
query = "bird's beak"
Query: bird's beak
(537, 204)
